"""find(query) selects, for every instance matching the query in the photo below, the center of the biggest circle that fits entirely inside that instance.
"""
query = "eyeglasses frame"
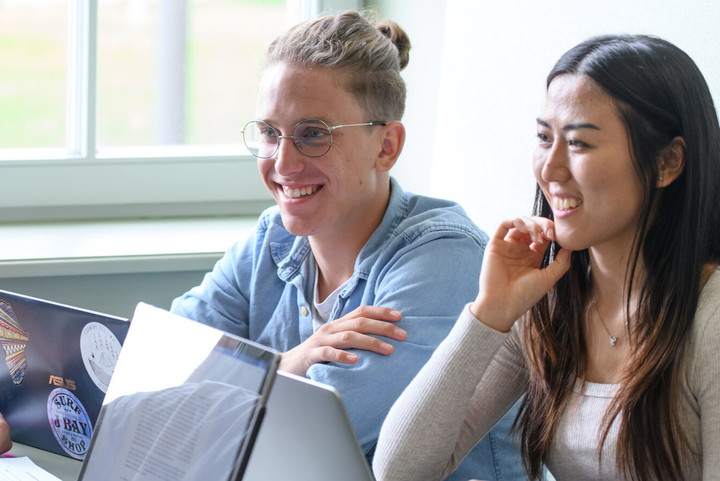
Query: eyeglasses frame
(295, 141)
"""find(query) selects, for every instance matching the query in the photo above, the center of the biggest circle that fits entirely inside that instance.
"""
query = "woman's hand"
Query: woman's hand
(511, 280)
(351, 331)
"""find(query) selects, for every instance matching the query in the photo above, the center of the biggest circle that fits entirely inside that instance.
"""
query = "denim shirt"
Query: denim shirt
(423, 260)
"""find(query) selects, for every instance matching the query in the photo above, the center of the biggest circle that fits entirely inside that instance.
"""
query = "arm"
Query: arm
(222, 300)
(428, 281)
(469, 383)
(457, 397)
(704, 381)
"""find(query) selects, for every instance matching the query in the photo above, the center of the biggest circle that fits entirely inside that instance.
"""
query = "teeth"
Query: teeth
(565, 203)
(295, 193)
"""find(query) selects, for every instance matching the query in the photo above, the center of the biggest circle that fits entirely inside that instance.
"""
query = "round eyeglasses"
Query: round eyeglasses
(312, 137)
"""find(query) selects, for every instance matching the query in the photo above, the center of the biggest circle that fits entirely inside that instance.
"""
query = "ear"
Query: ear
(671, 162)
(393, 139)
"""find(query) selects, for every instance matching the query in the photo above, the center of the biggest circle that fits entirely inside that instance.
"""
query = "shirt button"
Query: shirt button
(304, 311)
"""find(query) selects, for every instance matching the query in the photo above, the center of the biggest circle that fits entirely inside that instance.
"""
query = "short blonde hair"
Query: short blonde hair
(370, 54)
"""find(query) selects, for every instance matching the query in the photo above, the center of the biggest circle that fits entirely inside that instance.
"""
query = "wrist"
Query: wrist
(491, 318)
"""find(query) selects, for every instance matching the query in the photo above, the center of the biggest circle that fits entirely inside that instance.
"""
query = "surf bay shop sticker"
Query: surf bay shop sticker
(100, 350)
(69, 423)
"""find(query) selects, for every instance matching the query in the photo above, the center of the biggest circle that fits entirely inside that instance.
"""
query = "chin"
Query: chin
(297, 227)
(569, 240)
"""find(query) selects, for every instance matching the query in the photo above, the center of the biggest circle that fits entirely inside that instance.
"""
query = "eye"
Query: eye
(577, 143)
(267, 133)
(543, 138)
(312, 134)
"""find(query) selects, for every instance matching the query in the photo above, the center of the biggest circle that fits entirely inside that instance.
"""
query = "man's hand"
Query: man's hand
(351, 331)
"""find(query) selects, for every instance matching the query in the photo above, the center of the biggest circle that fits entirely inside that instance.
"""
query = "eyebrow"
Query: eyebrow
(575, 126)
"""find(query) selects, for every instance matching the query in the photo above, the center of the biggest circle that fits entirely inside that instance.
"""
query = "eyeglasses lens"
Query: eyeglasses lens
(260, 139)
(312, 137)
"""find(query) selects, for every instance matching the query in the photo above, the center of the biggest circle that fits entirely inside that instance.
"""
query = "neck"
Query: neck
(336, 255)
(333, 269)
(611, 275)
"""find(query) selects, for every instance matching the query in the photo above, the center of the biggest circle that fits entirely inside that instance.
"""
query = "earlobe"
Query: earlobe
(393, 139)
(671, 162)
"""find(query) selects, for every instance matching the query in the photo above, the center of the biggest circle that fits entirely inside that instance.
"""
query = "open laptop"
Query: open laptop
(184, 403)
(306, 436)
(58, 364)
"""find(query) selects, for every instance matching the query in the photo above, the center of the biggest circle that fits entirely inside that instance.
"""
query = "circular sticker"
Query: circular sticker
(99, 349)
(69, 422)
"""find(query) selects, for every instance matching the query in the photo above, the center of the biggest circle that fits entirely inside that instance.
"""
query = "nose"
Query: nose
(288, 159)
(551, 164)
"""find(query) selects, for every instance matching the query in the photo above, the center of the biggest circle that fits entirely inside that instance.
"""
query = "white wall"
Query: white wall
(424, 23)
(482, 72)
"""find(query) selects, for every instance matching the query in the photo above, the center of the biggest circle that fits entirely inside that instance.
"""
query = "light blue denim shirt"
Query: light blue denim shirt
(423, 260)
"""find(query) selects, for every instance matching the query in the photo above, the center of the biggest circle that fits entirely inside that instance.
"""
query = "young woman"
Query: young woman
(614, 281)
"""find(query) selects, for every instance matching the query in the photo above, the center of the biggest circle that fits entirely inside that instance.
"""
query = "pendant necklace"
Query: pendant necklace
(613, 339)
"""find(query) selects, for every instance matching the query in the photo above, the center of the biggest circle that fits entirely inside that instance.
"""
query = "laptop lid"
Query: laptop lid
(306, 436)
(184, 403)
(58, 363)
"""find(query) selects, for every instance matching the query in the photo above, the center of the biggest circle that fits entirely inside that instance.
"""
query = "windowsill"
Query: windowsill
(117, 246)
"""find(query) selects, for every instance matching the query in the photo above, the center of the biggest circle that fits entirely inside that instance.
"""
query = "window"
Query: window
(132, 107)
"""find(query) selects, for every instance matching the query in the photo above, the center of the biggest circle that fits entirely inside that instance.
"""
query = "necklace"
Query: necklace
(613, 339)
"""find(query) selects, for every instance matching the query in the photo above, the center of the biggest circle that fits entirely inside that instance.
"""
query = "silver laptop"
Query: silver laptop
(184, 403)
(58, 363)
(306, 436)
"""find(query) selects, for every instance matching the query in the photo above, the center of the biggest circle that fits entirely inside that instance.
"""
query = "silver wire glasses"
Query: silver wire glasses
(312, 137)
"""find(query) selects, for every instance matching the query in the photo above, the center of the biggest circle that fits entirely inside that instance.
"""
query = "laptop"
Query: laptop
(185, 403)
(306, 436)
(58, 364)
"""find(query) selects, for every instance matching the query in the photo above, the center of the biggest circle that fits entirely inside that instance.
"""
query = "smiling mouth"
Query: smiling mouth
(565, 203)
(300, 192)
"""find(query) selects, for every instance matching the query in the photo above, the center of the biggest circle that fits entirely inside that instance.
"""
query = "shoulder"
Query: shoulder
(704, 342)
(429, 216)
(707, 315)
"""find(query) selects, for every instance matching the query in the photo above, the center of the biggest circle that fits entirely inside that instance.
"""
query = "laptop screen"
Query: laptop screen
(58, 363)
(184, 403)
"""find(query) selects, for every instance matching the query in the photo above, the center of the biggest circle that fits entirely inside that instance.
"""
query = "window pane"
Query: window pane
(178, 72)
(33, 79)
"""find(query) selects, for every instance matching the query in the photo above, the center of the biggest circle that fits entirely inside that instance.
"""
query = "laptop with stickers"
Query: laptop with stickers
(306, 436)
(184, 403)
(58, 364)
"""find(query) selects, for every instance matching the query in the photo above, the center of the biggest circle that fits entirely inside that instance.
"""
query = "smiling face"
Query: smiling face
(341, 195)
(584, 167)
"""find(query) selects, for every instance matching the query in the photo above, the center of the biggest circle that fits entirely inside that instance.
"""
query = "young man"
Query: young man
(355, 281)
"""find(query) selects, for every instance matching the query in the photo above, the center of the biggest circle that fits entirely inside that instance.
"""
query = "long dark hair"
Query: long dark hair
(659, 94)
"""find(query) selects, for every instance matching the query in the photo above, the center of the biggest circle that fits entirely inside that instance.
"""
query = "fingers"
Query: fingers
(538, 230)
(356, 330)
(374, 312)
(558, 267)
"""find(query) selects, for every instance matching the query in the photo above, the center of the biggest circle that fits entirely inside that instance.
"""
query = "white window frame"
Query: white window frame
(78, 182)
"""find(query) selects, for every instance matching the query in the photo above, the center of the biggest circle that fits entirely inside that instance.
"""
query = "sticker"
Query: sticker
(99, 349)
(14, 342)
(69, 422)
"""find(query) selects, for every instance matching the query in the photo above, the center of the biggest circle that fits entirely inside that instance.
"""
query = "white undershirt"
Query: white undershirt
(321, 310)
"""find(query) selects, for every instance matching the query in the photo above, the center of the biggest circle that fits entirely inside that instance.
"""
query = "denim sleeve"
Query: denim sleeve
(221, 300)
(428, 280)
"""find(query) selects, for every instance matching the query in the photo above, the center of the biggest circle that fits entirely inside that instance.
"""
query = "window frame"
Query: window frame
(80, 183)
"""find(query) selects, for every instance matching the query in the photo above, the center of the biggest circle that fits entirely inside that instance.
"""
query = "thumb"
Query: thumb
(558, 267)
